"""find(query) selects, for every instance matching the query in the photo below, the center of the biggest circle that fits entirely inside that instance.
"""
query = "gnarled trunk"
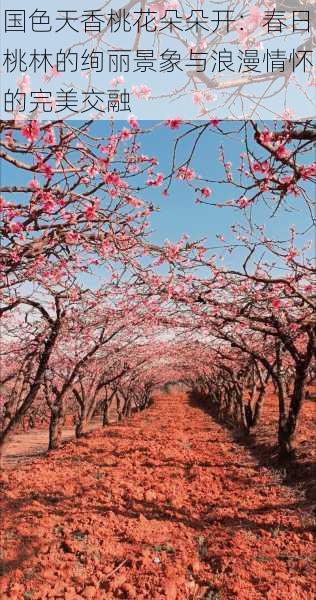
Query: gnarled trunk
(83, 416)
(83, 424)
(285, 442)
(105, 413)
(15, 419)
(118, 408)
(287, 426)
(56, 424)
(106, 405)
(252, 414)
(126, 407)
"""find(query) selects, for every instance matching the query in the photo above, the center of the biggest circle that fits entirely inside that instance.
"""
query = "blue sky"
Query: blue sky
(178, 212)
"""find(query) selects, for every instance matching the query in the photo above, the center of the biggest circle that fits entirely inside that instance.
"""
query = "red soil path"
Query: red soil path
(23, 447)
(165, 505)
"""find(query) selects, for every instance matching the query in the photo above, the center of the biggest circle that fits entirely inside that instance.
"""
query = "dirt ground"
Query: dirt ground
(166, 505)
(23, 447)
(302, 472)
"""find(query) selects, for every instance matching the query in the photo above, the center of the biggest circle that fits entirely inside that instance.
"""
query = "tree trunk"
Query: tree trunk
(82, 426)
(106, 405)
(258, 407)
(127, 409)
(285, 442)
(56, 424)
(287, 428)
(252, 414)
(248, 417)
(12, 425)
(83, 417)
(105, 417)
(118, 408)
(242, 413)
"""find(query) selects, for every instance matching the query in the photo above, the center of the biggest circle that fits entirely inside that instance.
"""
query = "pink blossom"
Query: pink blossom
(125, 134)
(47, 170)
(282, 152)
(93, 170)
(72, 237)
(11, 213)
(58, 156)
(206, 192)
(49, 137)
(247, 26)
(51, 74)
(172, 5)
(276, 302)
(14, 256)
(254, 17)
(15, 227)
(90, 211)
(117, 81)
(113, 178)
(142, 92)
(265, 136)
(133, 122)
(24, 84)
(197, 97)
(288, 114)
(288, 182)
(49, 206)
(185, 173)
(134, 201)
(157, 181)
(172, 250)
(292, 253)
(173, 123)
(34, 185)
(31, 131)
(264, 185)
(69, 218)
(308, 171)
(158, 8)
(209, 96)
(261, 167)
(243, 202)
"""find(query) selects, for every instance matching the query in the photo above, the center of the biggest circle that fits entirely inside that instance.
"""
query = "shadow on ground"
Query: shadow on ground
(299, 472)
